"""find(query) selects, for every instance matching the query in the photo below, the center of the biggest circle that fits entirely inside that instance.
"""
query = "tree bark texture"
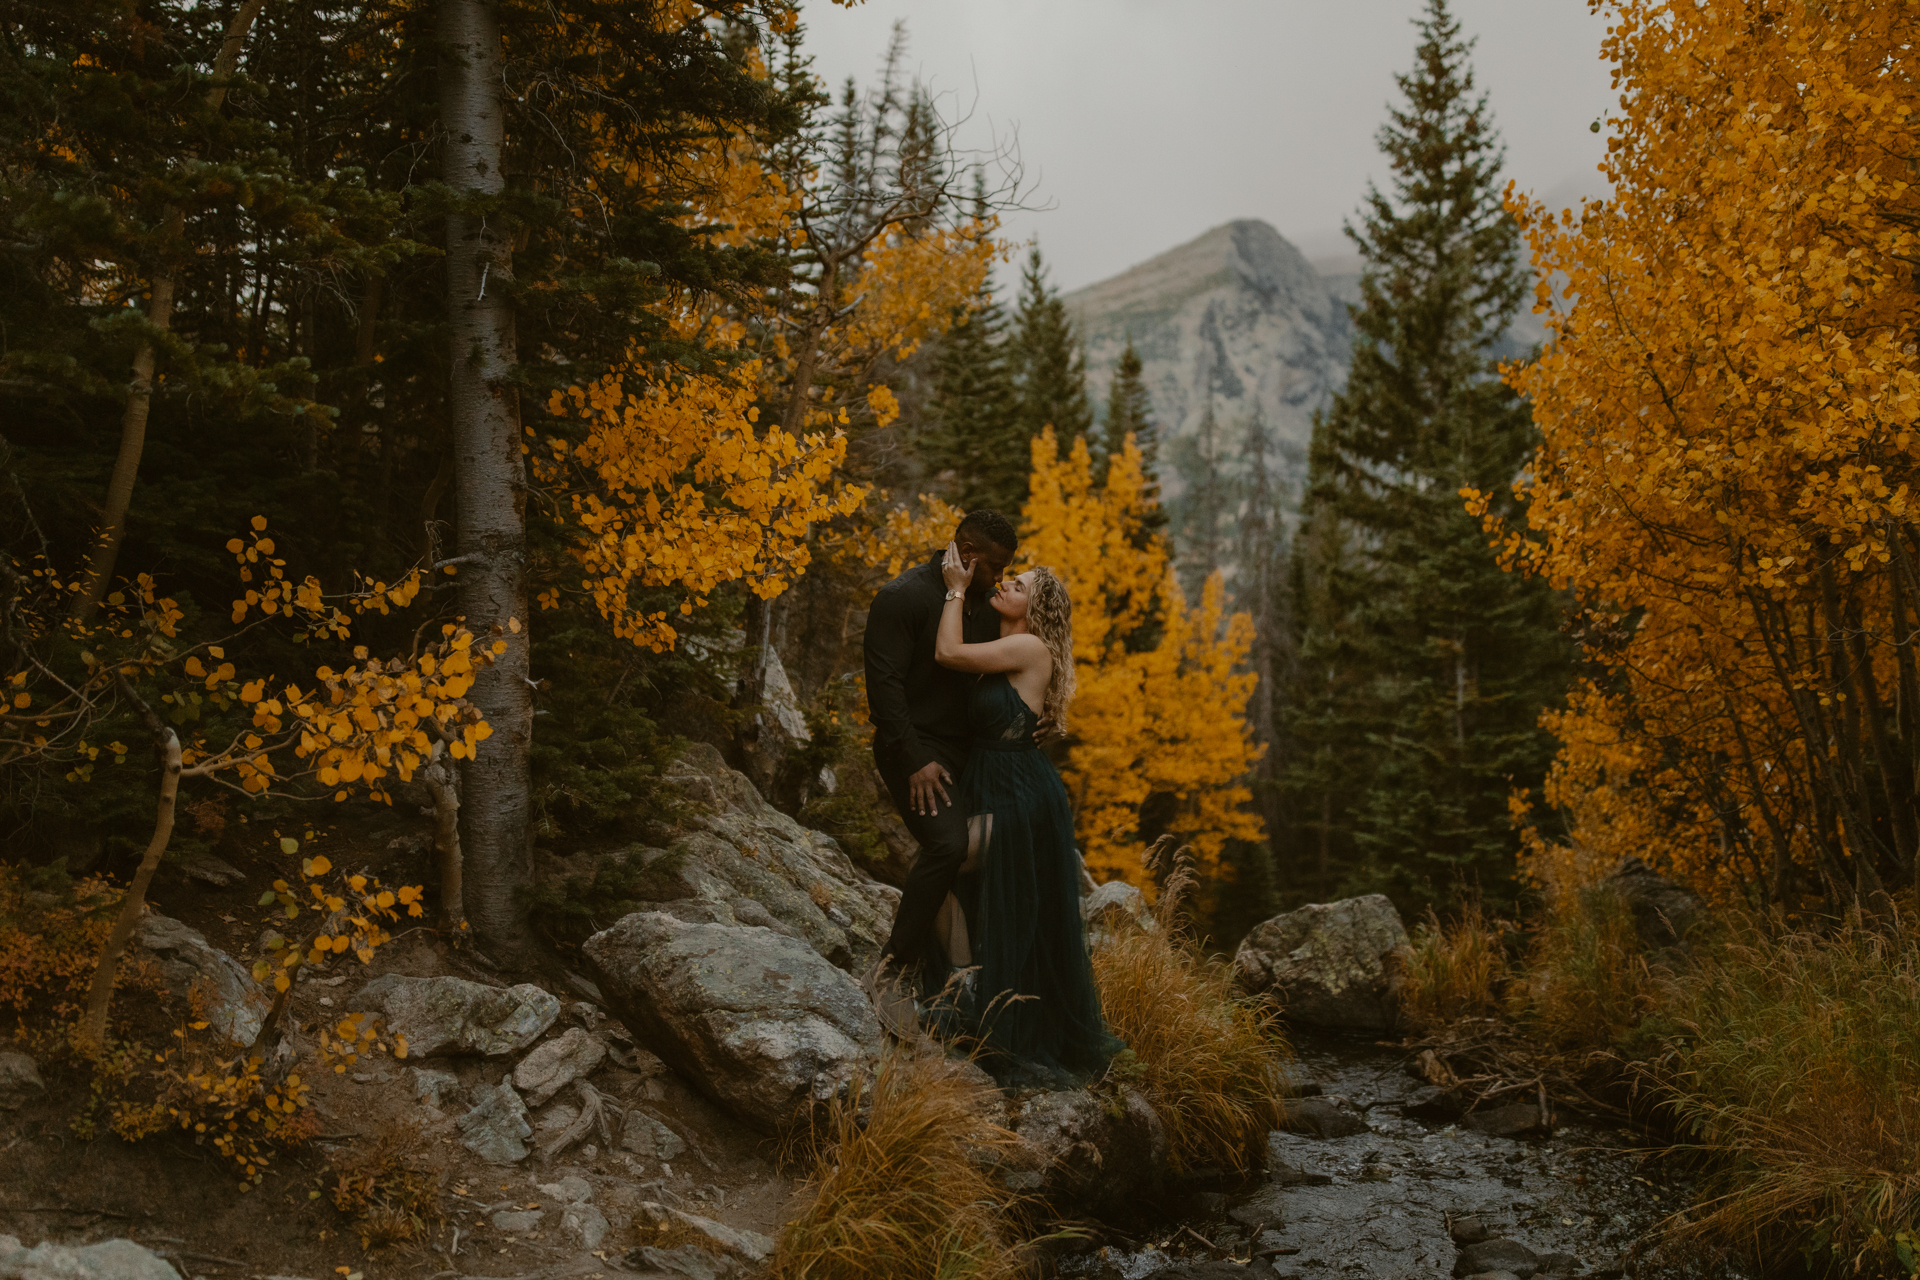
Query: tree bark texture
(133, 440)
(443, 785)
(93, 1027)
(489, 477)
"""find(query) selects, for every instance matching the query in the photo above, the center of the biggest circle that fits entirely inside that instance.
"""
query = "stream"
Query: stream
(1378, 1204)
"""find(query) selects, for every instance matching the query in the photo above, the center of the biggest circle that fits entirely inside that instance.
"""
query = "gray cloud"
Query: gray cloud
(1145, 122)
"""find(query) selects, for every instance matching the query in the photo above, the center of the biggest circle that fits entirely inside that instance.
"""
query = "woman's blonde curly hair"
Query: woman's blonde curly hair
(1050, 616)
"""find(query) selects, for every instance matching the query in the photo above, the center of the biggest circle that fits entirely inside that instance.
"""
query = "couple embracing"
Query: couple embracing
(967, 671)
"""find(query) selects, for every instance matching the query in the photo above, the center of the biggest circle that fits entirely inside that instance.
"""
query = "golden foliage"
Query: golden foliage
(679, 483)
(49, 944)
(687, 491)
(1728, 409)
(1169, 719)
(352, 727)
(232, 1103)
(901, 1183)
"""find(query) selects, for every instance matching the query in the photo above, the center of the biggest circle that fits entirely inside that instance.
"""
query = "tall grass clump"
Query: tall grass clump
(1211, 1062)
(1797, 1069)
(1452, 971)
(1588, 982)
(900, 1171)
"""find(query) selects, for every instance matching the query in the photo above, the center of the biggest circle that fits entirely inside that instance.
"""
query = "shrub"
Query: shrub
(1210, 1061)
(1452, 971)
(51, 931)
(900, 1185)
(389, 1187)
(1794, 1069)
(238, 1104)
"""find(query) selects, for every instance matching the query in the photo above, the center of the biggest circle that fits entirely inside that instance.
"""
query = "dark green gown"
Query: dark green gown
(1019, 981)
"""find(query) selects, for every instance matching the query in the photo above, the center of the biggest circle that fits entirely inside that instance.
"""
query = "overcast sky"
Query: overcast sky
(1143, 123)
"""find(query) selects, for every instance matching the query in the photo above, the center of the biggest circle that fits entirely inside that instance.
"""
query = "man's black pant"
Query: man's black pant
(943, 848)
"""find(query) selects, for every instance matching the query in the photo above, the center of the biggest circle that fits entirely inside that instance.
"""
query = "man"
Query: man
(919, 714)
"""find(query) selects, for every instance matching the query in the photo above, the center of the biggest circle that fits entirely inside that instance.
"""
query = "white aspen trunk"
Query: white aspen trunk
(489, 480)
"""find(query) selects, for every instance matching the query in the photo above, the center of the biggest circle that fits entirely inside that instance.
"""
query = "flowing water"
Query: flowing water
(1378, 1204)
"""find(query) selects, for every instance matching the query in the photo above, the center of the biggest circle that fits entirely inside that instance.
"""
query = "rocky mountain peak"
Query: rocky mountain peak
(1237, 318)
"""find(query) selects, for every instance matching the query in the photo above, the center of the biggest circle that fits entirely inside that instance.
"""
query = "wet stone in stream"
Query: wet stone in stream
(1379, 1203)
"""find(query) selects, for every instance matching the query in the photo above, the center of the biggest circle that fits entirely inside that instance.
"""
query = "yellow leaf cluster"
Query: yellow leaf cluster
(679, 484)
(688, 491)
(1728, 410)
(1169, 719)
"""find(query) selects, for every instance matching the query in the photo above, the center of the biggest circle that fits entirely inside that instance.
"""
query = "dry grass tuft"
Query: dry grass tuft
(389, 1186)
(1588, 983)
(902, 1189)
(1452, 971)
(1210, 1061)
(1794, 1066)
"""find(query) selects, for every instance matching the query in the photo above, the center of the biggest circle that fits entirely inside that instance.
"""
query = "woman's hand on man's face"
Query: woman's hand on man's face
(956, 572)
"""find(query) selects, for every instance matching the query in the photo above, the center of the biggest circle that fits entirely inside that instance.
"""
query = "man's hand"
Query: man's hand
(957, 570)
(1043, 731)
(925, 794)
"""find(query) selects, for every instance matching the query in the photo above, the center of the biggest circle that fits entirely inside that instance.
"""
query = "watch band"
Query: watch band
(954, 594)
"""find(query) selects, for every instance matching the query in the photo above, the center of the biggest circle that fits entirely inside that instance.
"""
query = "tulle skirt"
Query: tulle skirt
(1018, 983)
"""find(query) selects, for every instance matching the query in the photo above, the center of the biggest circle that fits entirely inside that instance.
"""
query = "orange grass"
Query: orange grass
(901, 1175)
(1452, 971)
(1211, 1062)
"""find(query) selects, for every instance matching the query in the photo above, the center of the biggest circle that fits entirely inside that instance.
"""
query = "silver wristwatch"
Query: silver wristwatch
(954, 593)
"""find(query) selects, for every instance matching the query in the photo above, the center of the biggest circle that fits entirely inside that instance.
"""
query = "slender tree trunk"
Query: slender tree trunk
(489, 476)
(133, 438)
(133, 419)
(443, 785)
(93, 1026)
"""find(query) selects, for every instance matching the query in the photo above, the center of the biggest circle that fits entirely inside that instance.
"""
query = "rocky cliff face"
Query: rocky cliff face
(1238, 309)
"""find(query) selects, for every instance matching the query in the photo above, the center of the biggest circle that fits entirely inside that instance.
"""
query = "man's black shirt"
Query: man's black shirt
(911, 699)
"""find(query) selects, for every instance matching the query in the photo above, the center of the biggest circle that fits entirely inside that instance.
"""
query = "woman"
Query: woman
(1023, 984)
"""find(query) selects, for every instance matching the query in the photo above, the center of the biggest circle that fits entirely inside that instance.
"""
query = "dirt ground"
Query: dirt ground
(183, 1200)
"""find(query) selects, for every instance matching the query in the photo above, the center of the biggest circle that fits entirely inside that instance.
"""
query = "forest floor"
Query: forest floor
(182, 1199)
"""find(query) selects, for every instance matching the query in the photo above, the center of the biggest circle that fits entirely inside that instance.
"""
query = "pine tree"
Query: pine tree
(1425, 667)
(1049, 367)
(978, 438)
(1199, 513)
(1130, 413)
(1260, 556)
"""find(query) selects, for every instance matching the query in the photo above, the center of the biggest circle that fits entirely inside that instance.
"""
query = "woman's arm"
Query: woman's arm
(1008, 653)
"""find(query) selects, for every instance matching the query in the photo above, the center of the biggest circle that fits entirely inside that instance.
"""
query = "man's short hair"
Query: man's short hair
(989, 526)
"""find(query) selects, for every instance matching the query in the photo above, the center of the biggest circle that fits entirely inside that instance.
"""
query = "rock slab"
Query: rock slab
(761, 1023)
(750, 1245)
(107, 1260)
(20, 1081)
(1078, 1150)
(1496, 1255)
(1664, 913)
(1328, 962)
(496, 1129)
(232, 1002)
(1321, 1118)
(749, 856)
(557, 1064)
(453, 1016)
(1515, 1120)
